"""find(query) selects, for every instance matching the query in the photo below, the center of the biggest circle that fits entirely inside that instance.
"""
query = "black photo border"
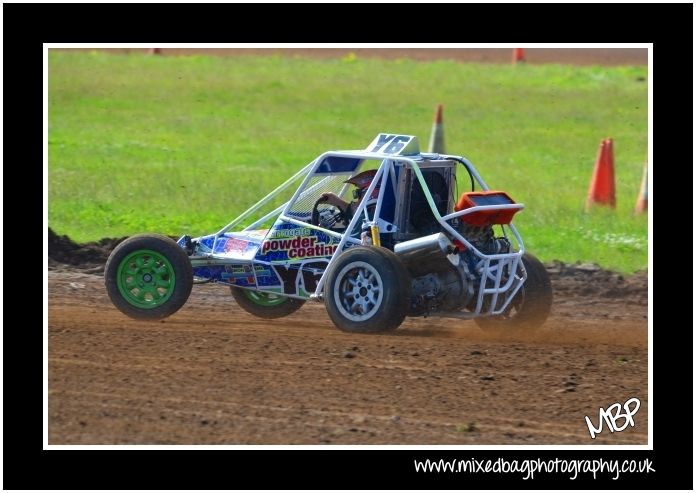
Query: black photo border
(28, 26)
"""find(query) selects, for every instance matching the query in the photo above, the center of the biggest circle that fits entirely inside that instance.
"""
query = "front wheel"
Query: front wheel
(367, 290)
(265, 305)
(530, 307)
(148, 277)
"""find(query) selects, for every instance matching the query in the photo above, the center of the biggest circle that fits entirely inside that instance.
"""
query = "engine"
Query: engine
(444, 275)
(483, 238)
(440, 279)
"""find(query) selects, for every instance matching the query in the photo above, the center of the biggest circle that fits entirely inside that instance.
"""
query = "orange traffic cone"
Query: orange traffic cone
(518, 55)
(437, 136)
(602, 188)
(642, 202)
(155, 51)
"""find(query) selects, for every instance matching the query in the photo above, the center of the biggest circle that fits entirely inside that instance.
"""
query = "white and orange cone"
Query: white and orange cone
(437, 137)
(642, 201)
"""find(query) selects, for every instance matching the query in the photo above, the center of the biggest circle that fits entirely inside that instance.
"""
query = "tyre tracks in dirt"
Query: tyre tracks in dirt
(212, 374)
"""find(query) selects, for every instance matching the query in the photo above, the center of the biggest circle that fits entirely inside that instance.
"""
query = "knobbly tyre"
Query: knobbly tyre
(406, 245)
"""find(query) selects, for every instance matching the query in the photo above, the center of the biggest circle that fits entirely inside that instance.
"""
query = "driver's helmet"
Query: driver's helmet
(362, 182)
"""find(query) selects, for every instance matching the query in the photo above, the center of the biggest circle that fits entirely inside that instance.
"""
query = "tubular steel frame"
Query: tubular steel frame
(492, 267)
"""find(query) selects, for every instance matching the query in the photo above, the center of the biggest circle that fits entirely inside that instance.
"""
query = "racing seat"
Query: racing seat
(421, 217)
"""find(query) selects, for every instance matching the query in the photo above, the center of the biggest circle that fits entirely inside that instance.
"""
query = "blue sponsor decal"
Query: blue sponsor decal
(206, 244)
(299, 278)
(240, 275)
(235, 247)
(209, 271)
(237, 274)
(266, 276)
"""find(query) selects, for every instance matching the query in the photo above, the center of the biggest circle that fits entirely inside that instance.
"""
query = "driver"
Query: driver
(362, 182)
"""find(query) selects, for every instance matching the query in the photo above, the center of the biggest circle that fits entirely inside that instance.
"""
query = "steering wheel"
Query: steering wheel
(328, 216)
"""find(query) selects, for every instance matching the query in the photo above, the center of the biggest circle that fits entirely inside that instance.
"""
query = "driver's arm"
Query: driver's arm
(347, 207)
(334, 199)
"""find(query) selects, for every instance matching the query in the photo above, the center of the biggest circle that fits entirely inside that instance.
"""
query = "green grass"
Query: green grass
(183, 144)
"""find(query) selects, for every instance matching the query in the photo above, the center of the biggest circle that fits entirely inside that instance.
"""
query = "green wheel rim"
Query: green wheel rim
(145, 279)
(265, 299)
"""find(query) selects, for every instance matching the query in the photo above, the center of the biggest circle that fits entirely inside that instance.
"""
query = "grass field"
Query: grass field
(183, 144)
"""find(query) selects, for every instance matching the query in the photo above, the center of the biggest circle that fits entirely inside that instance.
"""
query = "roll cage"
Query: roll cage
(501, 273)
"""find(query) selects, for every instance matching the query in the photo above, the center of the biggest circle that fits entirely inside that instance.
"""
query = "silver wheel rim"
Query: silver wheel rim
(358, 291)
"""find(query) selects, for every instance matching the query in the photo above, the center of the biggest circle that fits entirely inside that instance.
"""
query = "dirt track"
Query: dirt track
(212, 374)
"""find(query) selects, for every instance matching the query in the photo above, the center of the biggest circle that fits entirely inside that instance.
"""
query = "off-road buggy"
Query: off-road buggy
(412, 246)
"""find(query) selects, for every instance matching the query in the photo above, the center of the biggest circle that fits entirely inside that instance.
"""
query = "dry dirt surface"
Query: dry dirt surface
(575, 56)
(212, 374)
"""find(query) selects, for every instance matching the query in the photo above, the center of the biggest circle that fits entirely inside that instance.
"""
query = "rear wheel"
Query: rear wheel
(530, 307)
(367, 290)
(265, 305)
(148, 277)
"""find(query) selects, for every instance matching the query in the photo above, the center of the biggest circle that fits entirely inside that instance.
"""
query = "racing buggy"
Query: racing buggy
(403, 242)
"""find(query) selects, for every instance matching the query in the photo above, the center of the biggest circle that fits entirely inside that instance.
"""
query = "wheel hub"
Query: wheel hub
(145, 279)
(359, 291)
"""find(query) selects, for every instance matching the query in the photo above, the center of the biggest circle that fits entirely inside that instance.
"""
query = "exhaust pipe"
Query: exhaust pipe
(426, 255)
